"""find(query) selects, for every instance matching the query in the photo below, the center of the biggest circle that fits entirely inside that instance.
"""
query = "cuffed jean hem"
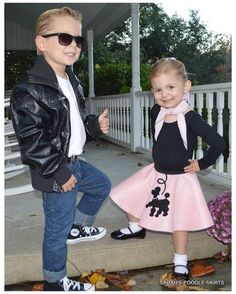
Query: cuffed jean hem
(83, 219)
(52, 277)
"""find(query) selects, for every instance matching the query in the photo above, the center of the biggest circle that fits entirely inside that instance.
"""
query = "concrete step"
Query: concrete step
(23, 260)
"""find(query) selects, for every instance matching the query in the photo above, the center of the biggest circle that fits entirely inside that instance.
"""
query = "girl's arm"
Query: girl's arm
(153, 115)
(208, 134)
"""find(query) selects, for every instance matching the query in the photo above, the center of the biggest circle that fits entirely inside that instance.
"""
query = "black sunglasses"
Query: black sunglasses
(66, 39)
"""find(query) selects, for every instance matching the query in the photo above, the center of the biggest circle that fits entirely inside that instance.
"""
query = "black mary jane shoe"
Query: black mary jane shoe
(118, 235)
(184, 276)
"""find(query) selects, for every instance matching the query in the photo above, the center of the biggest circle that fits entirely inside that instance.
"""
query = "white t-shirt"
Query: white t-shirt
(78, 135)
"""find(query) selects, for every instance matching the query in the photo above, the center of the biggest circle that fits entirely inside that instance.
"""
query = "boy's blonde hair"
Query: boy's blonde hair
(44, 21)
(165, 65)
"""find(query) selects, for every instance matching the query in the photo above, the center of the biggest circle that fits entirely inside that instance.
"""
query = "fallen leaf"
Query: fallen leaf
(222, 257)
(101, 285)
(100, 277)
(37, 287)
(114, 278)
(199, 269)
(94, 278)
(101, 271)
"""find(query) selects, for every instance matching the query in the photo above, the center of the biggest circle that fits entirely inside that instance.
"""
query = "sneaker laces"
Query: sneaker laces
(67, 284)
(90, 230)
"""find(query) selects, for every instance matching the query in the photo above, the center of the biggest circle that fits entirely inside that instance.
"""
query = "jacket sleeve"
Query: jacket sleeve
(216, 143)
(91, 123)
(92, 127)
(31, 124)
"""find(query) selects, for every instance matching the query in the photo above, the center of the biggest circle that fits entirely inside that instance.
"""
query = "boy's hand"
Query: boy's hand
(70, 184)
(193, 167)
(104, 121)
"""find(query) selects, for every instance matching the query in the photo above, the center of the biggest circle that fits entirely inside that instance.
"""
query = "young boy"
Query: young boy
(48, 114)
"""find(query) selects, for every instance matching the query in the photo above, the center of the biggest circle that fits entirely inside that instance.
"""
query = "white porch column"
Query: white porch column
(135, 110)
(90, 69)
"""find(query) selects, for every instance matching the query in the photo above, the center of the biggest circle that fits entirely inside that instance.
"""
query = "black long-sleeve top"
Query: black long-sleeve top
(169, 154)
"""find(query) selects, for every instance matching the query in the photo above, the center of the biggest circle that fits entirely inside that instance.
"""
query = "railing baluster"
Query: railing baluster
(146, 104)
(142, 135)
(115, 118)
(220, 105)
(191, 99)
(209, 106)
(125, 121)
(118, 118)
(128, 119)
(199, 109)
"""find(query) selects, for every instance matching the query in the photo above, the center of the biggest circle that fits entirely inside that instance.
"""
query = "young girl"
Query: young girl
(166, 195)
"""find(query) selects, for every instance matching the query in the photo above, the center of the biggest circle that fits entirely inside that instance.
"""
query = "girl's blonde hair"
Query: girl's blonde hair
(44, 21)
(165, 65)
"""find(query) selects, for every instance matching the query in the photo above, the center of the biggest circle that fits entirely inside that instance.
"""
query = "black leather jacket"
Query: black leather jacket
(40, 116)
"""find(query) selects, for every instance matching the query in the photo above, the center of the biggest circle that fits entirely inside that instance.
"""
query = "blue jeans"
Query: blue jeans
(61, 212)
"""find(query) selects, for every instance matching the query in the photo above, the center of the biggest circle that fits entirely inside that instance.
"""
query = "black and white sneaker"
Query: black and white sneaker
(80, 234)
(66, 284)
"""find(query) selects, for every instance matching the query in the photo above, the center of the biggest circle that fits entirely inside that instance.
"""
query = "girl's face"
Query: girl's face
(168, 89)
(57, 55)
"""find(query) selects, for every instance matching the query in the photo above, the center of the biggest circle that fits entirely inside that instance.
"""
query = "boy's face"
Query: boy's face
(57, 55)
(168, 89)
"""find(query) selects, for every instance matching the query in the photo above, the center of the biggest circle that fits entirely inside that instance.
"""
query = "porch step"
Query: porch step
(23, 260)
(12, 155)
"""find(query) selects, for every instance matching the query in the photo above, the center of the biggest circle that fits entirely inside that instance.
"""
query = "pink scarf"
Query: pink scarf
(179, 112)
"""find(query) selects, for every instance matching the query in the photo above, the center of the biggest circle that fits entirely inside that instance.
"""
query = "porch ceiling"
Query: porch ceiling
(20, 20)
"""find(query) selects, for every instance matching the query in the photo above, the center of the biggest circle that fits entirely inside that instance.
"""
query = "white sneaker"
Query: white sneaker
(66, 284)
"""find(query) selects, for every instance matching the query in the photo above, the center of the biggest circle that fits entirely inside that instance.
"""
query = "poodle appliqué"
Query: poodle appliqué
(159, 206)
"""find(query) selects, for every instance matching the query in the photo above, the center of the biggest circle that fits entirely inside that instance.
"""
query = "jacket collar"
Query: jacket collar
(43, 70)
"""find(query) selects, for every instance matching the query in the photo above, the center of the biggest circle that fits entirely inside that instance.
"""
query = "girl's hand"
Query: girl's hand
(193, 167)
(70, 184)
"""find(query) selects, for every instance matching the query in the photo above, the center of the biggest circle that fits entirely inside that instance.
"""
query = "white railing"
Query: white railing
(119, 115)
(212, 101)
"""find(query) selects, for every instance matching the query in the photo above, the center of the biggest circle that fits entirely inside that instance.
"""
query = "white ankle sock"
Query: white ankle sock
(133, 226)
(181, 259)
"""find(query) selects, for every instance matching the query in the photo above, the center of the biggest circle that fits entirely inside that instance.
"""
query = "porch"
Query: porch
(128, 113)
(131, 132)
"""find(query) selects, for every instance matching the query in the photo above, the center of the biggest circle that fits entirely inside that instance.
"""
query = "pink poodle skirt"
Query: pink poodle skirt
(161, 202)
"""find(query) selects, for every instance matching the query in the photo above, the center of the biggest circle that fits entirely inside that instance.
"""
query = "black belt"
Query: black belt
(75, 158)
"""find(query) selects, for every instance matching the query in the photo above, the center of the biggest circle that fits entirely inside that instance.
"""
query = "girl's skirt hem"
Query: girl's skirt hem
(164, 203)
